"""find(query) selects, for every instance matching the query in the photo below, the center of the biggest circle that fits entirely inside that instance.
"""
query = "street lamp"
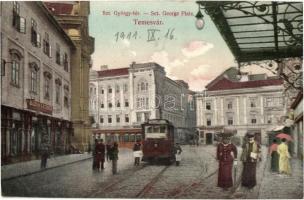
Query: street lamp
(199, 19)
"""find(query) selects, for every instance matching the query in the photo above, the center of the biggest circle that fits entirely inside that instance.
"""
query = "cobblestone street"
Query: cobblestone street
(196, 177)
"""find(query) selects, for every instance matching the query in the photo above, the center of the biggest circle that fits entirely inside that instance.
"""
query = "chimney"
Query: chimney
(103, 67)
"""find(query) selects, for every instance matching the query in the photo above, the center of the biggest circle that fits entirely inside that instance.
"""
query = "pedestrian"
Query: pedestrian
(249, 157)
(100, 154)
(137, 152)
(94, 154)
(114, 157)
(177, 152)
(108, 148)
(226, 155)
(44, 157)
(284, 165)
(274, 156)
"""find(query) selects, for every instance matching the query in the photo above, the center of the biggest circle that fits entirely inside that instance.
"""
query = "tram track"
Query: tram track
(202, 178)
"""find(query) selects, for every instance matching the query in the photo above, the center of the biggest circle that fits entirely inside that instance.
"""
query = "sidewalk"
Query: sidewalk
(277, 186)
(33, 166)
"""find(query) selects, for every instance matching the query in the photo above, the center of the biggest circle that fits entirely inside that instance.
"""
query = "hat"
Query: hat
(250, 135)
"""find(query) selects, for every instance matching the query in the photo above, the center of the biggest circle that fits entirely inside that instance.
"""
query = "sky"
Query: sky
(186, 53)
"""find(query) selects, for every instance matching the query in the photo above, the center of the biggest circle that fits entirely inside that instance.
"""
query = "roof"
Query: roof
(225, 84)
(56, 24)
(256, 31)
(59, 8)
(113, 72)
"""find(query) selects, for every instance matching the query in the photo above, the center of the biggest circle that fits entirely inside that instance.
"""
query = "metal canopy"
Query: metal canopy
(258, 30)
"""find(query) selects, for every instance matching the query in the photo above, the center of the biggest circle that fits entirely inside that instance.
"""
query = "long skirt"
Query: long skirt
(225, 175)
(249, 174)
(274, 161)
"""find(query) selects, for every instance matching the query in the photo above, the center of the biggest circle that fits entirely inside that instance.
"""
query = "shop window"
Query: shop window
(132, 138)
(138, 137)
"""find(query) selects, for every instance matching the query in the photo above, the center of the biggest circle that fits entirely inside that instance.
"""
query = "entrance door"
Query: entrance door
(209, 138)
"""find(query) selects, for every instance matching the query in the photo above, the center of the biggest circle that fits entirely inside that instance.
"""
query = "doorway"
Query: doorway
(209, 138)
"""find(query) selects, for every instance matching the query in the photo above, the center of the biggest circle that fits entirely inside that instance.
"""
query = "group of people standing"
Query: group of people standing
(280, 157)
(227, 157)
(108, 150)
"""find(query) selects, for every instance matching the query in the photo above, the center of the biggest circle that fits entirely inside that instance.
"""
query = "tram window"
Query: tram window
(138, 137)
(156, 129)
(132, 138)
(163, 129)
(148, 129)
(126, 138)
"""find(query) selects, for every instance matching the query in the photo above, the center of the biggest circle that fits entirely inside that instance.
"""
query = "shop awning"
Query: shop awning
(260, 30)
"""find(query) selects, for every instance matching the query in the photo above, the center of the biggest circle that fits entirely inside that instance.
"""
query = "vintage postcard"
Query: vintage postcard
(144, 99)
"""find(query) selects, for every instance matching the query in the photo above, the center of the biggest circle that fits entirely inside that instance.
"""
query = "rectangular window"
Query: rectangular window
(208, 122)
(125, 88)
(147, 116)
(117, 89)
(46, 45)
(58, 56)
(252, 103)
(253, 120)
(230, 121)
(15, 72)
(208, 106)
(138, 117)
(147, 103)
(47, 88)
(101, 105)
(102, 91)
(126, 103)
(66, 62)
(109, 119)
(229, 105)
(19, 23)
(110, 90)
(127, 118)
(58, 94)
(118, 104)
(110, 105)
(101, 119)
(117, 118)
(66, 101)
(35, 37)
(34, 80)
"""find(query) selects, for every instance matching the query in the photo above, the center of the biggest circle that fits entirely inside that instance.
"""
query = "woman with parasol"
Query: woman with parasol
(226, 154)
(284, 165)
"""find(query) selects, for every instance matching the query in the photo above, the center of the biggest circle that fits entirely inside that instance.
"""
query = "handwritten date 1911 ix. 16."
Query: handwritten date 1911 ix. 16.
(151, 35)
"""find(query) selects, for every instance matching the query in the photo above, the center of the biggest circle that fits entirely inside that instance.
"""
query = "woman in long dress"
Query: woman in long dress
(284, 165)
(249, 158)
(274, 156)
(226, 154)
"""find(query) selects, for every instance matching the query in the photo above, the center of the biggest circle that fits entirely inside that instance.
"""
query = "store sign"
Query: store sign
(41, 107)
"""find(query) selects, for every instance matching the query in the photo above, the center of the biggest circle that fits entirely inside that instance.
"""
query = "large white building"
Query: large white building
(250, 103)
(35, 81)
(122, 99)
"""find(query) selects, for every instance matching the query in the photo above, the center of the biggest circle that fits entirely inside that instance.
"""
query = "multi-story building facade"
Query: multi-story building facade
(35, 81)
(73, 17)
(249, 103)
(122, 99)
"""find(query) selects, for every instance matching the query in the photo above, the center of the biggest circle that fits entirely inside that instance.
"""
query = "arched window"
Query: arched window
(142, 86)
(34, 77)
(16, 57)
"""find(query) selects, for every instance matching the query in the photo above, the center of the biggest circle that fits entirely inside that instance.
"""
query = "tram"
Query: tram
(158, 141)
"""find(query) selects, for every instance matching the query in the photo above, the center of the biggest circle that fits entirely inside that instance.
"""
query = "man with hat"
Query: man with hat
(226, 154)
(249, 157)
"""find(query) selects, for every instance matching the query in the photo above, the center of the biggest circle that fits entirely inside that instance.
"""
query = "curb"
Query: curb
(48, 168)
